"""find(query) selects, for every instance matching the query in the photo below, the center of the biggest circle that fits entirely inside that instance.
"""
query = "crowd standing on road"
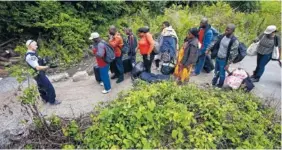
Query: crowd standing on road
(201, 44)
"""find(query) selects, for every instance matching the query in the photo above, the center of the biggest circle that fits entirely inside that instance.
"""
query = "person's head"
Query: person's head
(270, 31)
(165, 24)
(142, 31)
(128, 31)
(147, 29)
(204, 22)
(230, 29)
(192, 33)
(95, 37)
(112, 30)
(31, 45)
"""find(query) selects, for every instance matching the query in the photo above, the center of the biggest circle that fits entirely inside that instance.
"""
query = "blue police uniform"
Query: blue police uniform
(45, 87)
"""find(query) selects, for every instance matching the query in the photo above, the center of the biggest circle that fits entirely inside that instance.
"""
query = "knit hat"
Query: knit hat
(194, 31)
(270, 29)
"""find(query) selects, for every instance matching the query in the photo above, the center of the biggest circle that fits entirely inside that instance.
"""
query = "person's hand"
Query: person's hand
(207, 51)
(226, 67)
(53, 65)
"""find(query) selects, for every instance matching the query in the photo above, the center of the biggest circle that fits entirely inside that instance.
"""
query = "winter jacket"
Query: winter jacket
(191, 49)
(207, 39)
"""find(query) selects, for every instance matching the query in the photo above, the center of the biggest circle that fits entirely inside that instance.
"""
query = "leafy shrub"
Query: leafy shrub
(249, 25)
(165, 115)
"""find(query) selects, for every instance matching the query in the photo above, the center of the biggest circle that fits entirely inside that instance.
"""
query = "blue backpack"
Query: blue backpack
(215, 33)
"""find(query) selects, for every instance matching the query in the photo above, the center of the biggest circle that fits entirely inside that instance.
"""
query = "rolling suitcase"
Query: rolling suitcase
(97, 74)
(127, 64)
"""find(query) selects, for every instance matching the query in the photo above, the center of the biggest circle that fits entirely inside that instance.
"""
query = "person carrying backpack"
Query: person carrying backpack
(100, 52)
(116, 43)
(225, 50)
(205, 38)
(168, 40)
(267, 42)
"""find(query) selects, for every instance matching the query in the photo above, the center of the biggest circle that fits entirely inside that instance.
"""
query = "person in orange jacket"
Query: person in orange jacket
(146, 46)
(116, 42)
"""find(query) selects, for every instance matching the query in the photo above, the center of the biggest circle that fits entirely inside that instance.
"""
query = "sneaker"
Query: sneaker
(101, 83)
(56, 102)
(106, 91)
(114, 77)
(119, 80)
(255, 79)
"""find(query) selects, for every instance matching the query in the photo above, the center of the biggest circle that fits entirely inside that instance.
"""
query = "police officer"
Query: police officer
(46, 89)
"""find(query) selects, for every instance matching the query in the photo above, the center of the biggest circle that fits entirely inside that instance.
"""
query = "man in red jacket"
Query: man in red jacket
(99, 52)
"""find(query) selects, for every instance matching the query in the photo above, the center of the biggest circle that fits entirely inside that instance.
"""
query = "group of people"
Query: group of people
(198, 45)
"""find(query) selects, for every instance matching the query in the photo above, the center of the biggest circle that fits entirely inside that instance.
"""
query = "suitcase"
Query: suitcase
(127, 65)
(97, 74)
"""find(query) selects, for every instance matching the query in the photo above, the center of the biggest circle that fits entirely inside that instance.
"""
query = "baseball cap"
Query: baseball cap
(94, 35)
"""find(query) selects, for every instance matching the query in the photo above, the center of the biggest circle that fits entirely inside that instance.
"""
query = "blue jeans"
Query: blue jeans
(200, 64)
(219, 72)
(119, 65)
(262, 61)
(105, 77)
(45, 88)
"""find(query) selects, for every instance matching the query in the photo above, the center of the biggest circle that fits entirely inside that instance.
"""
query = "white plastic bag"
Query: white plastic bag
(275, 53)
(252, 49)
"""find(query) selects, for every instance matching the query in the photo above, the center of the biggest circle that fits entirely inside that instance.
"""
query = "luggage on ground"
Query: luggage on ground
(239, 78)
(137, 70)
(97, 74)
(153, 78)
(167, 68)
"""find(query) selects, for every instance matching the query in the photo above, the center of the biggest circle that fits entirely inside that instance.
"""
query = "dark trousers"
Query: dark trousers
(262, 61)
(147, 63)
(45, 88)
(117, 68)
(152, 57)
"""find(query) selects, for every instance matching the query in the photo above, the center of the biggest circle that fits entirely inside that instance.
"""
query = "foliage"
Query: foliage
(30, 95)
(72, 130)
(249, 25)
(158, 116)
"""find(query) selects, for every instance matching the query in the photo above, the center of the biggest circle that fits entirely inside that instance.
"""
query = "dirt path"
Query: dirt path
(81, 97)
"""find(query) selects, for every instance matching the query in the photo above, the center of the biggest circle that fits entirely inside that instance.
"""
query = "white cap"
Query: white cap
(270, 29)
(28, 42)
(94, 35)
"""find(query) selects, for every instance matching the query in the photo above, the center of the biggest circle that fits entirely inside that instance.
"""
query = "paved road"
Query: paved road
(269, 87)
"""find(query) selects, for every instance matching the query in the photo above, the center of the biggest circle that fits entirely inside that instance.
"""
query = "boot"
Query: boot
(120, 79)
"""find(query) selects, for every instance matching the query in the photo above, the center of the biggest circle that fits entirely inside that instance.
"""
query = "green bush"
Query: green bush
(159, 116)
(249, 25)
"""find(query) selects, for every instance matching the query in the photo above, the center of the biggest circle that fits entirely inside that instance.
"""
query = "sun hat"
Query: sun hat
(270, 29)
